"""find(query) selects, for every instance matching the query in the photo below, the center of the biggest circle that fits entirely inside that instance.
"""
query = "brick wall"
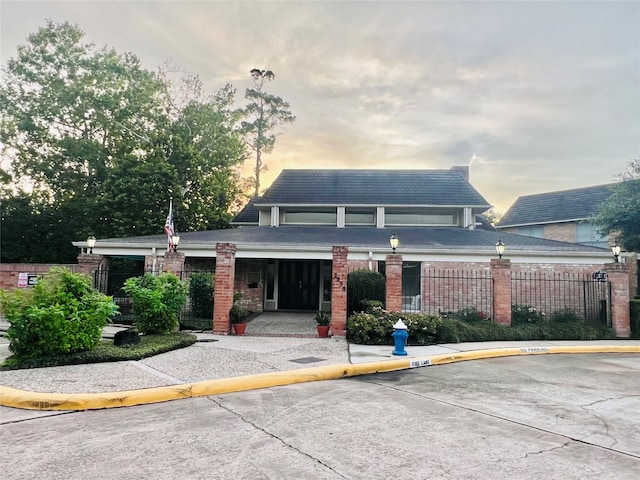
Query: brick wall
(9, 272)
(340, 271)
(563, 232)
(250, 282)
(224, 286)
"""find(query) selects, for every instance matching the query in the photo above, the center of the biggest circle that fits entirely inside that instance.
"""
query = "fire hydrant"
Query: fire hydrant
(400, 336)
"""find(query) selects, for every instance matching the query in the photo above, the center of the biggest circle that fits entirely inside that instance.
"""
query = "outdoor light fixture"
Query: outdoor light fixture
(394, 241)
(175, 239)
(615, 248)
(91, 242)
(500, 246)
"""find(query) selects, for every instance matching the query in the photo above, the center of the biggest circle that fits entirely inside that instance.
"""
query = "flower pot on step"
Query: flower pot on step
(323, 331)
(239, 328)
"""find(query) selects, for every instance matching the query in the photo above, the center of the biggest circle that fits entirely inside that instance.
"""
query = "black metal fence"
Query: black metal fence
(197, 312)
(448, 292)
(566, 295)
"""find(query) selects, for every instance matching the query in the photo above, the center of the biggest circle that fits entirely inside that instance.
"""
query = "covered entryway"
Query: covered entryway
(298, 285)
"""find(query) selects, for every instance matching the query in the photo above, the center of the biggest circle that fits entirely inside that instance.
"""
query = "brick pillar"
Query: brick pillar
(618, 275)
(393, 271)
(88, 263)
(501, 275)
(339, 273)
(174, 263)
(223, 287)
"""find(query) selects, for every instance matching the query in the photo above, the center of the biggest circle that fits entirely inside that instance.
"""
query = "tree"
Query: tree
(97, 145)
(619, 216)
(264, 114)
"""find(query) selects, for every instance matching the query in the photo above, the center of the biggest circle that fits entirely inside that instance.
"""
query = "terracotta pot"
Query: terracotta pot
(323, 330)
(239, 328)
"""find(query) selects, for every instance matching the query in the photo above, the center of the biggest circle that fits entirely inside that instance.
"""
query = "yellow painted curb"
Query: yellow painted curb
(12, 397)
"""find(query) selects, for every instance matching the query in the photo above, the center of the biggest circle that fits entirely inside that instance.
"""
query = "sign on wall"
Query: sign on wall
(28, 279)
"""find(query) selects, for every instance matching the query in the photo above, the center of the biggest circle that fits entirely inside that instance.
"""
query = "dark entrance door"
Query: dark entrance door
(298, 285)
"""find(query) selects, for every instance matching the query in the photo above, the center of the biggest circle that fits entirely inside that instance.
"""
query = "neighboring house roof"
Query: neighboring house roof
(373, 187)
(555, 207)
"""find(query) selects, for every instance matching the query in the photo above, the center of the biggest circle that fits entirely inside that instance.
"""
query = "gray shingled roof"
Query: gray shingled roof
(411, 238)
(560, 206)
(249, 214)
(373, 187)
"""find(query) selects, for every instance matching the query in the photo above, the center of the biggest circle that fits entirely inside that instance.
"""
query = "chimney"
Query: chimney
(463, 169)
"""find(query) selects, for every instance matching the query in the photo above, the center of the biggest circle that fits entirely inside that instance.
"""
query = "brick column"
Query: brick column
(174, 263)
(339, 273)
(223, 287)
(632, 261)
(88, 263)
(393, 271)
(501, 275)
(618, 275)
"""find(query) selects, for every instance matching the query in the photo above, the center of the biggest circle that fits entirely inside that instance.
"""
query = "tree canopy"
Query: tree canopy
(96, 145)
(619, 216)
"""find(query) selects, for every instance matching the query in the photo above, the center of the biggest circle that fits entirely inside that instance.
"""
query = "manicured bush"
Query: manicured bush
(201, 286)
(157, 300)
(376, 328)
(61, 314)
(634, 310)
(524, 314)
(469, 315)
(364, 286)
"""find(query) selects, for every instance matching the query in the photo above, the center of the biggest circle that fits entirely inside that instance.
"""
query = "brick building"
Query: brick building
(295, 245)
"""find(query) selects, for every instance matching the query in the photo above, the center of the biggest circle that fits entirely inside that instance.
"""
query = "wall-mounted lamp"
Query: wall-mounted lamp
(500, 246)
(175, 239)
(615, 249)
(91, 242)
(394, 241)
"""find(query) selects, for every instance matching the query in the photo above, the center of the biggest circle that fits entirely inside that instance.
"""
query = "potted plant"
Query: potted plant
(238, 316)
(323, 320)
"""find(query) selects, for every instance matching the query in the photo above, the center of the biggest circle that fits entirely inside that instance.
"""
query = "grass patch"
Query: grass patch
(106, 351)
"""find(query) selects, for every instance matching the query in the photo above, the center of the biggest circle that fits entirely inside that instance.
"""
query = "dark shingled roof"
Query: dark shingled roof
(373, 187)
(552, 207)
(249, 214)
(413, 238)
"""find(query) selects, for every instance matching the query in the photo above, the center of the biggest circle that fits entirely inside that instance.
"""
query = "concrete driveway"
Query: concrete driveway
(549, 416)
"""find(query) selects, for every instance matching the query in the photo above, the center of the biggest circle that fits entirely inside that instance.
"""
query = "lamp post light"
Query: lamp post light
(91, 242)
(394, 241)
(615, 249)
(175, 239)
(500, 246)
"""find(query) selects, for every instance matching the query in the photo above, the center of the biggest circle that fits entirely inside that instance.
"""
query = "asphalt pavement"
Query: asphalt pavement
(227, 363)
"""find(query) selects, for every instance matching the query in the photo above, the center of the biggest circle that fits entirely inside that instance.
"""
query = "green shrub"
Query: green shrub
(525, 314)
(61, 314)
(634, 310)
(238, 313)
(364, 286)
(376, 328)
(201, 286)
(470, 315)
(157, 300)
(566, 315)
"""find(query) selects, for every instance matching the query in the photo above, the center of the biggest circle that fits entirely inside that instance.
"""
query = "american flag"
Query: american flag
(168, 227)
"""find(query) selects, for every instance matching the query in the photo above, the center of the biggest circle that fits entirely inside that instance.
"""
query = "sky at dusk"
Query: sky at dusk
(534, 96)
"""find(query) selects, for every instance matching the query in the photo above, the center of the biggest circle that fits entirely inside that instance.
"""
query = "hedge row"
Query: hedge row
(375, 328)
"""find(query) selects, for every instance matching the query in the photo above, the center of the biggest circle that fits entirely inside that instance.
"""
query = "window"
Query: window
(535, 231)
(587, 233)
(308, 216)
(409, 216)
(360, 216)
